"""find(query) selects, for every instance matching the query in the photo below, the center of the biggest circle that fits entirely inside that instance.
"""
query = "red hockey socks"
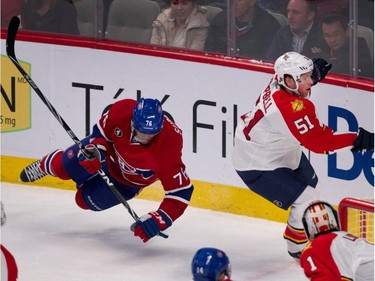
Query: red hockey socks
(52, 165)
(296, 240)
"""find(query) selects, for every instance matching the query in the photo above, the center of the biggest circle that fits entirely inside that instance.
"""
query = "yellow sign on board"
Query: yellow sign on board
(15, 97)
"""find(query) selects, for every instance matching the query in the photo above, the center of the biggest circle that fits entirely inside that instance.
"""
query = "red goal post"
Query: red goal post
(357, 217)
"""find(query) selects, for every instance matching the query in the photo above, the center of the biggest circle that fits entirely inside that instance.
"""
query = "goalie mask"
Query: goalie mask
(209, 263)
(148, 116)
(320, 217)
(293, 64)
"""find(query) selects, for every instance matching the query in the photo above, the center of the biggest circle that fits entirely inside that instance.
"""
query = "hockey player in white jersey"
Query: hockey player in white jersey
(333, 254)
(267, 152)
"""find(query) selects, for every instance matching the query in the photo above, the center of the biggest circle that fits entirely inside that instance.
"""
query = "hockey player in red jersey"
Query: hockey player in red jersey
(9, 269)
(332, 254)
(211, 264)
(136, 145)
(267, 153)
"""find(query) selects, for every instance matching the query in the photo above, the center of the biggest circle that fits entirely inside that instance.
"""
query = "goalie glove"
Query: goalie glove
(93, 163)
(364, 141)
(321, 69)
(151, 224)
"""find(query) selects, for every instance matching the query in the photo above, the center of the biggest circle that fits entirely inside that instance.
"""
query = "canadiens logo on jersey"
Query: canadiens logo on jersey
(126, 168)
(297, 105)
(70, 154)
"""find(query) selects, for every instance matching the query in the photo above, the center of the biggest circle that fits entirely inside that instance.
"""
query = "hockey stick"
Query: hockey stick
(10, 42)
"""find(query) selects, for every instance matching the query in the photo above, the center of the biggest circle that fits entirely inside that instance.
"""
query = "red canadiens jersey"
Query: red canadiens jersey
(139, 165)
(9, 270)
(337, 256)
(271, 134)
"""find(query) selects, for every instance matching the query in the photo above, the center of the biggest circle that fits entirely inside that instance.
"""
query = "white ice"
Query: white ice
(52, 239)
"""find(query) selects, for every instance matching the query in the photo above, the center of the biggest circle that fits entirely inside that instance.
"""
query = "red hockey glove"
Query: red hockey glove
(92, 164)
(151, 224)
(364, 141)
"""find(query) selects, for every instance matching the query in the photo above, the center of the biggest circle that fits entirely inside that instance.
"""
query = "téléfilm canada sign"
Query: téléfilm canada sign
(15, 97)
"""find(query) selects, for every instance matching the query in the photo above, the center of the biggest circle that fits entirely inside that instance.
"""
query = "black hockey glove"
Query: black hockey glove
(364, 141)
(321, 69)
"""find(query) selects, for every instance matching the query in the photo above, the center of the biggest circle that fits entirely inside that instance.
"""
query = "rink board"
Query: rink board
(205, 100)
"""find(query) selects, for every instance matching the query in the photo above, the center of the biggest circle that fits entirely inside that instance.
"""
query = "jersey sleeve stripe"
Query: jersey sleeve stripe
(179, 189)
(178, 198)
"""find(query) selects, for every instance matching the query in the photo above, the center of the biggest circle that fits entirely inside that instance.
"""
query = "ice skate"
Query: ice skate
(32, 172)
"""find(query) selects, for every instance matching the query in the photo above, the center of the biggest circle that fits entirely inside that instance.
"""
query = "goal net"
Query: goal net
(357, 217)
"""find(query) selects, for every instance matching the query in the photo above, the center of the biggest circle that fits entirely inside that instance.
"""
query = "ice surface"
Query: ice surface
(52, 239)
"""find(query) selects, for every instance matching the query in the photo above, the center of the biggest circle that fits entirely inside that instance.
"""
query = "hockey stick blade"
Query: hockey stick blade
(10, 50)
(11, 36)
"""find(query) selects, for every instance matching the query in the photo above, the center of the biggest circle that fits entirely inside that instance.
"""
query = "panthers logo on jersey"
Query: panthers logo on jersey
(297, 105)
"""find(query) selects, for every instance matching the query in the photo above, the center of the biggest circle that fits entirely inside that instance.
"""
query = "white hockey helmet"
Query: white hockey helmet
(293, 64)
(320, 217)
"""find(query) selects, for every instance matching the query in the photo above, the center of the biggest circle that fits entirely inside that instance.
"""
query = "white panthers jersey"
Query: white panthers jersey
(272, 134)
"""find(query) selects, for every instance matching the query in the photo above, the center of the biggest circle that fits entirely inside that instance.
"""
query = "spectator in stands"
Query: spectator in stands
(184, 25)
(301, 35)
(333, 254)
(57, 16)
(336, 49)
(9, 9)
(254, 27)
